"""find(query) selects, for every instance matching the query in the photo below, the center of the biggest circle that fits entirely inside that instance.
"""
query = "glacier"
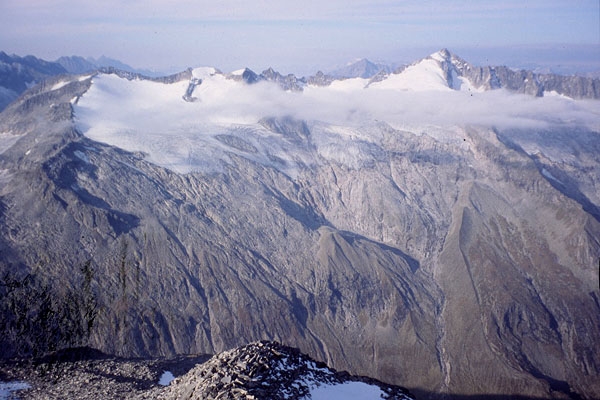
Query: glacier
(153, 117)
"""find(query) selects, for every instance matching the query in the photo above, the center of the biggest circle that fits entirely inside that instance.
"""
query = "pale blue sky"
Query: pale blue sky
(303, 36)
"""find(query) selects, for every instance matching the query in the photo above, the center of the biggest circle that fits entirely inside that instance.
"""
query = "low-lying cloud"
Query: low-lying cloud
(498, 108)
(153, 117)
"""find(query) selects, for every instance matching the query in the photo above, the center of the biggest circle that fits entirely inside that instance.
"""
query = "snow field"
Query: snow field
(153, 118)
(348, 390)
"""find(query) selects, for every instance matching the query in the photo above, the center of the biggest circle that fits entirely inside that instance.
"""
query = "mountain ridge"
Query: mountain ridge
(361, 68)
(484, 78)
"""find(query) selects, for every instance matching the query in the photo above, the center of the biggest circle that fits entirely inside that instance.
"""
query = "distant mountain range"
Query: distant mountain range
(17, 74)
(456, 74)
(20, 73)
(80, 65)
(362, 68)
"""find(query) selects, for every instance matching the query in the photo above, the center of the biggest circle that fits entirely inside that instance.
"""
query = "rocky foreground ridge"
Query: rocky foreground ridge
(267, 370)
(260, 371)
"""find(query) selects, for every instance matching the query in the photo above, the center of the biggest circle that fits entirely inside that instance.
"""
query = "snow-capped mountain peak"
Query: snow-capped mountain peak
(442, 55)
(440, 71)
(360, 68)
(425, 75)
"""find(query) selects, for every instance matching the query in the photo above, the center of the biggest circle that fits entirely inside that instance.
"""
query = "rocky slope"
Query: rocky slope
(17, 74)
(451, 258)
(84, 373)
(260, 370)
(520, 81)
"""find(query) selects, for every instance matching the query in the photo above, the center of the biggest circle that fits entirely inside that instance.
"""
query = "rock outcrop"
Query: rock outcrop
(266, 370)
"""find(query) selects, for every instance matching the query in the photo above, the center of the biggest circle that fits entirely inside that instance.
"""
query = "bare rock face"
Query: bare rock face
(455, 267)
(519, 81)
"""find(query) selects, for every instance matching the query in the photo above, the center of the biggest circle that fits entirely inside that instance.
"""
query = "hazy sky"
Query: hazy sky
(302, 36)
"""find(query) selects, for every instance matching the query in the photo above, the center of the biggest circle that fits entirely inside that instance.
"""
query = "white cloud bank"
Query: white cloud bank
(153, 117)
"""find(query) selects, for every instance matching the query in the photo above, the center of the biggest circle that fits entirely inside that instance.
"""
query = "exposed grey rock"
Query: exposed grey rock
(288, 82)
(461, 267)
(20, 73)
(184, 75)
(84, 373)
(380, 76)
(77, 65)
(247, 76)
(262, 371)
(237, 143)
(320, 79)
(520, 81)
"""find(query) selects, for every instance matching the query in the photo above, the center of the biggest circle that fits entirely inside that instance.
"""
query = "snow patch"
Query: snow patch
(7, 140)
(5, 176)
(59, 85)
(6, 389)
(238, 72)
(347, 390)
(348, 85)
(464, 84)
(82, 156)
(204, 72)
(548, 175)
(166, 378)
(554, 93)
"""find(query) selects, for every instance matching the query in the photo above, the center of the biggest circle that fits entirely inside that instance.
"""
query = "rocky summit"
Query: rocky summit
(268, 370)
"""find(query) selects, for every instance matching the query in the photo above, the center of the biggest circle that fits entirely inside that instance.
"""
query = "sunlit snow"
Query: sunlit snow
(59, 85)
(153, 118)
(203, 72)
(348, 390)
(166, 378)
(423, 76)
(548, 175)
(7, 139)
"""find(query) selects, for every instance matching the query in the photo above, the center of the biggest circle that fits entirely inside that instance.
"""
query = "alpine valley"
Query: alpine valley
(436, 227)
